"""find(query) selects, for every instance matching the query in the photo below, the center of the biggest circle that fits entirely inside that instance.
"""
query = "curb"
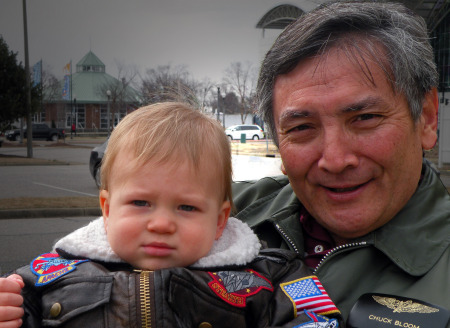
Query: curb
(49, 213)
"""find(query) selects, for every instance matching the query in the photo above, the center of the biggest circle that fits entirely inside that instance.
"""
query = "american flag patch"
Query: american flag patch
(308, 294)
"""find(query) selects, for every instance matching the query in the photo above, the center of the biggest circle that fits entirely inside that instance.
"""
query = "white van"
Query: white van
(251, 132)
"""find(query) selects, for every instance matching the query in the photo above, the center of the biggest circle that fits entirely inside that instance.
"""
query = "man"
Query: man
(349, 94)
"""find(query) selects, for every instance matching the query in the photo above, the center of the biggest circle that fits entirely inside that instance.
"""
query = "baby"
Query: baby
(165, 252)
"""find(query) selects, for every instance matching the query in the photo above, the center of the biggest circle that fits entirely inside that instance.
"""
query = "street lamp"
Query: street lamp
(108, 93)
(74, 120)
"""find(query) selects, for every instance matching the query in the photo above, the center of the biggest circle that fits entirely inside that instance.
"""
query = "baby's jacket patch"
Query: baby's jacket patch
(235, 286)
(50, 266)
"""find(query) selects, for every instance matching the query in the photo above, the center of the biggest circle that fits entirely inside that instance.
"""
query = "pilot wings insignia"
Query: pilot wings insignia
(404, 306)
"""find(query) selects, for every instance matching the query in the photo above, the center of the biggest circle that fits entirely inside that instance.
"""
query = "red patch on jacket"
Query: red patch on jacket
(49, 267)
(235, 286)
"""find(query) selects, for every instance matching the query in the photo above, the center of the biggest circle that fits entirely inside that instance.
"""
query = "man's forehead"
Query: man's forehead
(366, 57)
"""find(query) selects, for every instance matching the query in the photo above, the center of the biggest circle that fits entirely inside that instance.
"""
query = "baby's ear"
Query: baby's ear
(222, 219)
(104, 204)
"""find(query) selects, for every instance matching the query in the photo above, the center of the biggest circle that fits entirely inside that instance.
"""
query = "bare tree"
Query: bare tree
(51, 86)
(205, 94)
(241, 78)
(175, 83)
(122, 91)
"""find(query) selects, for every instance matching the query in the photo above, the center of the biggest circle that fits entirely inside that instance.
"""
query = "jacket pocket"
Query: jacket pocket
(76, 302)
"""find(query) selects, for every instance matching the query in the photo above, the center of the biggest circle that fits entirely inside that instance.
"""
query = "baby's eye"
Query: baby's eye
(187, 208)
(140, 203)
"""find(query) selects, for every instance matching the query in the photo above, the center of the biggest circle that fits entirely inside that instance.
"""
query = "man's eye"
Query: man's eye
(365, 117)
(302, 127)
(140, 203)
(187, 208)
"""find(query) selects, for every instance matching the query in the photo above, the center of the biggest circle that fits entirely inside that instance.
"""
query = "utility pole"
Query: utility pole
(28, 83)
(108, 113)
(218, 104)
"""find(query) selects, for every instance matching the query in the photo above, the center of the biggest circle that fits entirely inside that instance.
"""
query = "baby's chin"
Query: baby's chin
(160, 266)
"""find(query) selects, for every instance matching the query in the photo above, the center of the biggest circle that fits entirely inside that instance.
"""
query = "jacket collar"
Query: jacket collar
(414, 239)
(420, 233)
(238, 245)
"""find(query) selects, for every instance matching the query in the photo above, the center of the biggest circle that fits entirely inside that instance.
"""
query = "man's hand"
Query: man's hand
(10, 301)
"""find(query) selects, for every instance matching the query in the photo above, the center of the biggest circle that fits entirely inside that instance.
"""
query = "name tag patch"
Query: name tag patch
(390, 311)
(235, 286)
(49, 267)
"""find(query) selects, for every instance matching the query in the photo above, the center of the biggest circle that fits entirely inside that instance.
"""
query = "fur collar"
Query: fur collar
(238, 245)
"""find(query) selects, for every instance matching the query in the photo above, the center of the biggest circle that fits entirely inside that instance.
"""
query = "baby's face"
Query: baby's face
(162, 215)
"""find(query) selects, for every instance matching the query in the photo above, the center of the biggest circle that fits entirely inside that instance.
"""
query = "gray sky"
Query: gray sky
(204, 35)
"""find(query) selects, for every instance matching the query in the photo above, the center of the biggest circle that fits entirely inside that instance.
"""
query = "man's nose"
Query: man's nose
(337, 151)
(162, 221)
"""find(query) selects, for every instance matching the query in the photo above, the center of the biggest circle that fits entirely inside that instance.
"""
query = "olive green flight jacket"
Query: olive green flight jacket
(409, 256)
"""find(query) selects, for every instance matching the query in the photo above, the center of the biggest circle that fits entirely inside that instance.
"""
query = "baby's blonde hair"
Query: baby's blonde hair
(171, 131)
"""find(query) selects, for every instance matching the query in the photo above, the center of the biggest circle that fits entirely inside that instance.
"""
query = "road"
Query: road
(69, 180)
(21, 240)
(75, 179)
(46, 181)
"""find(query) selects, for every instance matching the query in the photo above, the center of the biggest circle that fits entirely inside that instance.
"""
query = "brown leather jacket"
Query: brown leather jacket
(112, 295)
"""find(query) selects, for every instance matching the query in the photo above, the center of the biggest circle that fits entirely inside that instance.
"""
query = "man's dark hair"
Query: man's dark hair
(359, 28)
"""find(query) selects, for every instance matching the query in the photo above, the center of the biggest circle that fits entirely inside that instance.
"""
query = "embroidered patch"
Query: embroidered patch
(308, 294)
(235, 286)
(49, 267)
(318, 321)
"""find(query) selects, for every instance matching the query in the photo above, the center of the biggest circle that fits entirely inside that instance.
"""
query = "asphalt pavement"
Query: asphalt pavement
(22, 240)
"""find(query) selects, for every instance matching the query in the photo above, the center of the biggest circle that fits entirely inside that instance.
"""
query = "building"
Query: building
(91, 94)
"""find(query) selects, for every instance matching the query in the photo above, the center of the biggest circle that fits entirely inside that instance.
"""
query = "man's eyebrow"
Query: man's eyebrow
(290, 114)
(362, 104)
(365, 103)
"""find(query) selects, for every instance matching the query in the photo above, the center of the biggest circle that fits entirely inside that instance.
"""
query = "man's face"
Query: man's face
(162, 215)
(350, 148)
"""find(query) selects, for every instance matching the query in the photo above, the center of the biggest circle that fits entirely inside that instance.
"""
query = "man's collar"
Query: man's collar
(418, 235)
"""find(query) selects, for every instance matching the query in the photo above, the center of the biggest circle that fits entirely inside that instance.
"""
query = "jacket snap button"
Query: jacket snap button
(205, 325)
(55, 310)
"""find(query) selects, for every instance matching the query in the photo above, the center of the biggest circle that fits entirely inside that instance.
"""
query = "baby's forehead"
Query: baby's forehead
(202, 169)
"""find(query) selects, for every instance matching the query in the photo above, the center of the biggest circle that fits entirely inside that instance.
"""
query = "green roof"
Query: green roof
(90, 82)
(90, 87)
(90, 59)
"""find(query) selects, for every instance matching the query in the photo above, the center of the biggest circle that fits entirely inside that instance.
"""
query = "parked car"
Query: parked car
(251, 132)
(38, 131)
(95, 162)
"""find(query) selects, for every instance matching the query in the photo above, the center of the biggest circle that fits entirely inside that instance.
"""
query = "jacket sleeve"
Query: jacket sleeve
(67, 300)
(283, 308)
(246, 193)
(31, 299)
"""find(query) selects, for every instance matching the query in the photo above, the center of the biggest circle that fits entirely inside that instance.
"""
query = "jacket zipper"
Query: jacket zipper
(327, 255)
(144, 293)
(286, 238)
(335, 250)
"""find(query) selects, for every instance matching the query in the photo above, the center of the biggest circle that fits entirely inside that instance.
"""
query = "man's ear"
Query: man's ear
(283, 170)
(429, 119)
(104, 204)
(222, 219)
